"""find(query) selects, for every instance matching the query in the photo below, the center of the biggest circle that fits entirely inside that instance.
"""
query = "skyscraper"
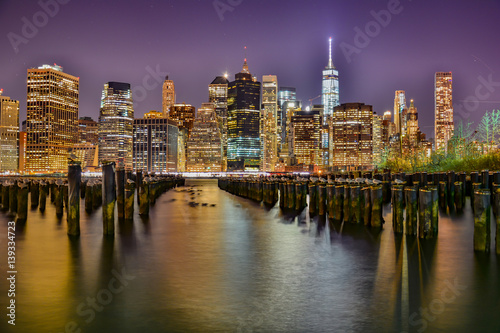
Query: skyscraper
(184, 115)
(217, 94)
(9, 129)
(443, 123)
(155, 143)
(269, 123)
(88, 130)
(204, 144)
(116, 121)
(352, 138)
(330, 90)
(243, 121)
(286, 94)
(378, 143)
(412, 123)
(87, 147)
(51, 118)
(400, 112)
(168, 95)
(306, 129)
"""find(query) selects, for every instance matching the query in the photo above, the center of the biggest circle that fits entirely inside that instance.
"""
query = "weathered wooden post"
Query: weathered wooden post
(53, 190)
(88, 196)
(496, 213)
(435, 209)
(443, 195)
(44, 188)
(397, 208)
(120, 192)
(59, 197)
(313, 198)
(367, 208)
(321, 199)
(22, 202)
(347, 203)
(330, 195)
(338, 203)
(376, 201)
(73, 212)
(482, 220)
(83, 188)
(35, 194)
(138, 183)
(129, 199)
(65, 195)
(411, 196)
(425, 214)
(475, 186)
(355, 209)
(290, 189)
(144, 197)
(97, 194)
(108, 197)
(282, 194)
(13, 198)
(450, 187)
(485, 179)
(458, 196)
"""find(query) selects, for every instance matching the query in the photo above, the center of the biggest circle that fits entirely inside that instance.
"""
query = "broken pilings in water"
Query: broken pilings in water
(22, 201)
(73, 209)
(129, 200)
(108, 197)
(482, 209)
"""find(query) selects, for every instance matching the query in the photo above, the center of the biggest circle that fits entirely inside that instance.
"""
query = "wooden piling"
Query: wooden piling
(397, 208)
(313, 198)
(108, 197)
(330, 195)
(321, 199)
(411, 198)
(120, 192)
(367, 206)
(43, 188)
(482, 208)
(144, 198)
(35, 193)
(458, 196)
(355, 209)
(59, 198)
(376, 203)
(22, 202)
(73, 212)
(129, 200)
(347, 203)
(338, 203)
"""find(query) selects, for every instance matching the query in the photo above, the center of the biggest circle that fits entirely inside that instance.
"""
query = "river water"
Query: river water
(241, 267)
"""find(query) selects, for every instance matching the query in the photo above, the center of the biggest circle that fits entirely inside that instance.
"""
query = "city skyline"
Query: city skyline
(393, 59)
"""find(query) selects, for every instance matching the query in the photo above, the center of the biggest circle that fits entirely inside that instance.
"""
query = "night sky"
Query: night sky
(192, 42)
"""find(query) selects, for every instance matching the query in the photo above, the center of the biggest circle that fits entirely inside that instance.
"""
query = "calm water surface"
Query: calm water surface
(241, 267)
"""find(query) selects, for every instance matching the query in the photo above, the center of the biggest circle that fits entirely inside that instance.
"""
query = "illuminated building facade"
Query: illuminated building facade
(243, 122)
(378, 143)
(51, 118)
(168, 95)
(184, 115)
(217, 94)
(88, 130)
(9, 129)
(330, 86)
(23, 141)
(352, 137)
(204, 153)
(289, 109)
(306, 137)
(286, 94)
(412, 125)
(269, 123)
(155, 144)
(88, 141)
(443, 116)
(116, 120)
(400, 112)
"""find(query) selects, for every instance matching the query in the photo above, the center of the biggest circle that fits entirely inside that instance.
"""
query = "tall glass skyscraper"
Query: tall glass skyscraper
(243, 122)
(116, 120)
(51, 118)
(400, 111)
(269, 123)
(443, 121)
(217, 94)
(330, 91)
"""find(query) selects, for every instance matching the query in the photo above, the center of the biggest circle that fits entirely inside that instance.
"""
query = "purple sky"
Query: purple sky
(102, 41)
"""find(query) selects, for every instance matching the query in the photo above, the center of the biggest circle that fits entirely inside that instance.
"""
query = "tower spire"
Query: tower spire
(330, 62)
(245, 65)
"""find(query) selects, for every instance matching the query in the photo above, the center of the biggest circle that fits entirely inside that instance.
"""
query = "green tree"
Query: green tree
(484, 128)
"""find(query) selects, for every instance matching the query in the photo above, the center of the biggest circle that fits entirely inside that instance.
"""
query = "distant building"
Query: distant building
(23, 141)
(330, 86)
(269, 123)
(443, 115)
(9, 131)
(52, 118)
(413, 130)
(204, 144)
(88, 130)
(378, 143)
(352, 137)
(400, 111)
(286, 94)
(116, 120)
(155, 144)
(168, 95)
(306, 137)
(243, 122)
(217, 94)
(184, 115)
(286, 147)
(88, 141)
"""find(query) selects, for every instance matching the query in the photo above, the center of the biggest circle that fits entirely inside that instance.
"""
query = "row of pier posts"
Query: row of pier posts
(416, 199)
(117, 187)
